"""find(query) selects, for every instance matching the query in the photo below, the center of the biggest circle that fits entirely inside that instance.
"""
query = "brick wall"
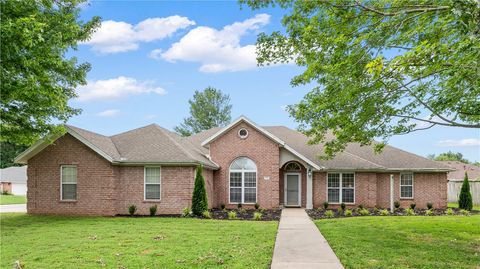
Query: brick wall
(262, 150)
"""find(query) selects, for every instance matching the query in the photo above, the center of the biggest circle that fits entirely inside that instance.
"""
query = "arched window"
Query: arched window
(292, 166)
(243, 181)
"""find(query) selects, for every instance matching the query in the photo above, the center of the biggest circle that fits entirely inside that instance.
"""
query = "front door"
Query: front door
(292, 189)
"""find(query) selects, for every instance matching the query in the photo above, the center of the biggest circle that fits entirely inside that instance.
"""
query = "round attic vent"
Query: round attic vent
(242, 133)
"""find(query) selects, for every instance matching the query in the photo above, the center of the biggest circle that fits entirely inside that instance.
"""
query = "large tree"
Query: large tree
(37, 77)
(448, 156)
(208, 108)
(379, 67)
(8, 152)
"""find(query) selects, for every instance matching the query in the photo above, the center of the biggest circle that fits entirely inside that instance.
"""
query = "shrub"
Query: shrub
(409, 212)
(199, 197)
(239, 205)
(342, 206)
(449, 211)
(464, 212)
(153, 210)
(132, 209)
(242, 211)
(186, 212)
(348, 213)
(232, 215)
(340, 211)
(222, 206)
(428, 212)
(376, 210)
(384, 212)
(329, 214)
(396, 204)
(5, 192)
(325, 205)
(257, 206)
(364, 212)
(465, 198)
(429, 205)
(206, 214)
(413, 205)
(360, 206)
(257, 216)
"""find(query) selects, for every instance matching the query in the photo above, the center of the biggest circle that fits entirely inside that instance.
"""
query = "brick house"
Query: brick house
(84, 173)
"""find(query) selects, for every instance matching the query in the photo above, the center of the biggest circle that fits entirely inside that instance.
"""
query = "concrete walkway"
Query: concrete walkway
(300, 244)
(13, 208)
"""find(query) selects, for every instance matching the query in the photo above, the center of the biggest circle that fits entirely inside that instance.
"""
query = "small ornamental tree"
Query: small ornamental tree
(465, 199)
(199, 197)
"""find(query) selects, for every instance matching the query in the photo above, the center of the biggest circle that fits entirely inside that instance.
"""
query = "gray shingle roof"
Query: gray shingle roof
(14, 174)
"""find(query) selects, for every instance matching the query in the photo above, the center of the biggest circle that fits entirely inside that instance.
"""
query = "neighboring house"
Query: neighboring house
(14, 180)
(84, 173)
(455, 180)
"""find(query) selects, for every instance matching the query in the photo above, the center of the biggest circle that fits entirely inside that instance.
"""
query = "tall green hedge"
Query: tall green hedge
(465, 199)
(199, 197)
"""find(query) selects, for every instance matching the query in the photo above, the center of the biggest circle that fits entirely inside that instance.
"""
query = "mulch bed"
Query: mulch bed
(320, 213)
(247, 214)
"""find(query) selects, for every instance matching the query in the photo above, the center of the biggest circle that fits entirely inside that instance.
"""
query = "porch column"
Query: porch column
(391, 193)
(309, 188)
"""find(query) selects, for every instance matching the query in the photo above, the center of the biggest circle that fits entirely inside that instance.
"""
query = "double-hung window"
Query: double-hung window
(406, 186)
(68, 182)
(152, 186)
(243, 181)
(341, 188)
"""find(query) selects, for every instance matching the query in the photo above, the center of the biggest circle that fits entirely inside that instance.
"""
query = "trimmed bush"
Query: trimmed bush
(257, 206)
(343, 206)
(449, 211)
(325, 205)
(396, 204)
(239, 206)
(232, 215)
(206, 214)
(132, 209)
(413, 205)
(199, 197)
(257, 216)
(153, 210)
(186, 212)
(348, 213)
(384, 212)
(465, 198)
(222, 206)
(429, 205)
(409, 212)
(329, 214)
(360, 206)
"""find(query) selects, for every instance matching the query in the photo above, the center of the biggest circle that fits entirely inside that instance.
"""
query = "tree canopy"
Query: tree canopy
(379, 67)
(37, 77)
(208, 108)
(448, 156)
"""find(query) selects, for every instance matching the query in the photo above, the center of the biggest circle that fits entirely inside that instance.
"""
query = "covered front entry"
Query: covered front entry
(293, 189)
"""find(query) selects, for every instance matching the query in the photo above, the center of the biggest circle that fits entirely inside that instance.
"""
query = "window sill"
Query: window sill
(330, 203)
(406, 198)
(67, 201)
(151, 201)
(241, 203)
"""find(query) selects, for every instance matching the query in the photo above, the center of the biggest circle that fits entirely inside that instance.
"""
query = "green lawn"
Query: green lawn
(405, 242)
(12, 199)
(122, 242)
(455, 205)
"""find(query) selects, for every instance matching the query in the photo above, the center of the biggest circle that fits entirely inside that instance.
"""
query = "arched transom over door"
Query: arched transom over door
(243, 181)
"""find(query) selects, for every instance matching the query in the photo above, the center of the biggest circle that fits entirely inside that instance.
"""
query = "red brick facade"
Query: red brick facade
(107, 189)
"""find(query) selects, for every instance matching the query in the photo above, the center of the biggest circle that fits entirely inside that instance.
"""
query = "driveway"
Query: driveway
(13, 208)
(300, 244)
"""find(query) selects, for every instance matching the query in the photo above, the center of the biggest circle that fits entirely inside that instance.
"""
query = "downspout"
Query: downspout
(309, 188)
(391, 193)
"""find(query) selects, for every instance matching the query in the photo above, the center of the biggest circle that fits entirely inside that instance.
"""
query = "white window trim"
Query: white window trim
(413, 186)
(145, 183)
(341, 187)
(243, 171)
(61, 182)
(299, 188)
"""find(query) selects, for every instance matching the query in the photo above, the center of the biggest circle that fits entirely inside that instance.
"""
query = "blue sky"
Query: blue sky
(150, 56)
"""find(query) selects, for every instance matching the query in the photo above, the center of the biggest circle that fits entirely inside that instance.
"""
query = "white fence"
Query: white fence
(454, 191)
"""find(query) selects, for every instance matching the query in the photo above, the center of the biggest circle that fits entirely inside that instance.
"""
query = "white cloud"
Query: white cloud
(119, 36)
(216, 50)
(459, 143)
(116, 88)
(109, 113)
